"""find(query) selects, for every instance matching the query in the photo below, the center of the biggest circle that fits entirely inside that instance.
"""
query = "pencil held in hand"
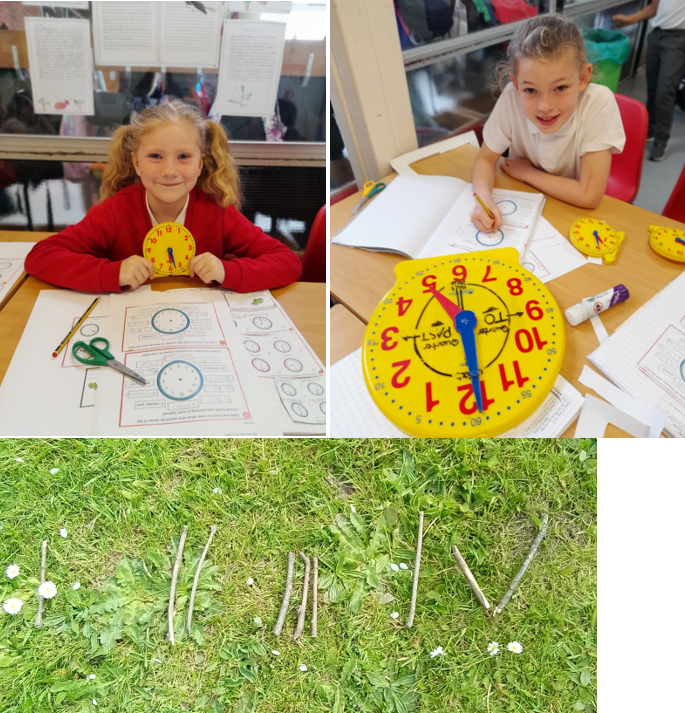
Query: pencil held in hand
(485, 208)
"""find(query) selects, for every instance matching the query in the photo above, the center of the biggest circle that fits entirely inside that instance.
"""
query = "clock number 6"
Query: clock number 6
(403, 366)
(386, 341)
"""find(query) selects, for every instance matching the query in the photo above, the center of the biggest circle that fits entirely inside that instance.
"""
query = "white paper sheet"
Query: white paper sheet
(43, 396)
(664, 363)
(188, 36)
(126, 33)
(12, 257)
(402, 164)
(250, 68)
(303, 399)
(596, 415)
(192, 390)
(78, 4)
(549, 254)
(247, 6)
(60, 64)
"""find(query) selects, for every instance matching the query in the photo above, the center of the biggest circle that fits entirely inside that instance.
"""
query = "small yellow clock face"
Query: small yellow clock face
(170, 247)
(595, 237)
(414, 359)
(668, 242)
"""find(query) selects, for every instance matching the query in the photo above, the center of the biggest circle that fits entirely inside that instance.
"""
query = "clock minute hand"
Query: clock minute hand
(171, 256)
(449, 306)
(465, 324)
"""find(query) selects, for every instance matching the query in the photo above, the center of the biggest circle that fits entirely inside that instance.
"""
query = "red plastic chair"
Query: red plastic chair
(314, 260)
(626, 167)
(675, 208)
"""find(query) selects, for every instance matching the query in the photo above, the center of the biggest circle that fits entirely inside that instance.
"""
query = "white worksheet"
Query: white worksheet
(192, 389)
(189, 37)
(61, 65)
(549, 254)
(664, 363)
(303, 399)
(12, 256)
(250, 68)
(44, 396)
(246, 6)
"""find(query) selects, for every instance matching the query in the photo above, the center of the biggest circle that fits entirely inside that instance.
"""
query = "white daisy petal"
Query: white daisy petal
(156, 661)
(12, 571)
(54, 471)
(515, 646)
(91, 676)
(437, 652)
(249, 581)
(394, 567)
(76, 585)
(13, 605)
(352, 509)
(303, 667)
(493, 648)
(19, 460)
(394, 615)
(94, 702)
(275, 653)
(403, 566)
(257, 621)
(63, 532)
(217, 491)
(47, 590)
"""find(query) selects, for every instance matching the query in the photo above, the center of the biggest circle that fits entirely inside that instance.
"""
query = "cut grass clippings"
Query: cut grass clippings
(352, 503)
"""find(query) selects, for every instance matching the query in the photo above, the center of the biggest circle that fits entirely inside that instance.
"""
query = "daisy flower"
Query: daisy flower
(437, 652)
(303, 667)
(54, 471)
(403, 566)
(394, 567)
(249, 581)
(19, 460)
(94, 702)
(91, 676)
(515, 647)
(493, 648)
(156, 661)
(394, 615)
(47, 590)
(275, 653)
(63, 532)
(217, 491)
(13, 605)
(12, 571)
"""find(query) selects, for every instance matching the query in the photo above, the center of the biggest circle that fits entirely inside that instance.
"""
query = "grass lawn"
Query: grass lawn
(124, 503)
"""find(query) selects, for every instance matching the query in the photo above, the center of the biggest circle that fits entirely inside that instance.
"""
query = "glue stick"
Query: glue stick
(595, 305)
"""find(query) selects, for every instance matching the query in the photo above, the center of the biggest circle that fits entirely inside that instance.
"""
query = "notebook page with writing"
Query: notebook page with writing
(641, 356)
(402, 217)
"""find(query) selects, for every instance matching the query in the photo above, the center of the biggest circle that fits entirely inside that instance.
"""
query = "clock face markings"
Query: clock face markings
(170, 321)
(322, 407)
(682, 369)
(490, 240)
(288, 389)
(262, 323)
(261, 365)
(299, 409)
(292, 364)
(89, 330)
(315, 389)
(5, 265)
(251, 346)
(282, 346)
(180, 380)
(169, 247)
(506, 207)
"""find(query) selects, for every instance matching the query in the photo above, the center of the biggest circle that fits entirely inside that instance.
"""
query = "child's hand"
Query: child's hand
(482, 220)
(208, 268)
(621, 20)
(518, 168)
(134, 271)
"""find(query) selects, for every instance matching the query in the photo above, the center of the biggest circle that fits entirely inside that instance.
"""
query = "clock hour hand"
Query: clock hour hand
(449, 306)
(465, 323)
(171, 256)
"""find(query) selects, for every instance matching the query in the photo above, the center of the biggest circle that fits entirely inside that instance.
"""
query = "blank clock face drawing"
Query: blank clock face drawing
(89, 330)
(315, 389)
(292, 364)
(262, 323)
(261, 365)
(179, 380)
(322, 407)
(506, 207)
(299, 409)
(170, 321)
(5, 265)
(682, 370)
(288, 390)
(282, 346)
(490, 240)
(251, 346)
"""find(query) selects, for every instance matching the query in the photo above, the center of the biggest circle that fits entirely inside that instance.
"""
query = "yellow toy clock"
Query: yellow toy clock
(463, 345)
(668, 242)
(170, 247)
(596, 238)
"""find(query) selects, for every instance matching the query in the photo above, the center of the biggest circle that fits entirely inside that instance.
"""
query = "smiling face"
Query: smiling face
(169, 162)
(548, 89)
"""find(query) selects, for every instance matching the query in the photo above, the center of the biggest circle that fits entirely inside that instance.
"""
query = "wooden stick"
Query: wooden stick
(532, 552)
(302, 609)
(43, 553)
(315, 595)
(174, 577)
(417, 564)
(197, 577)
(470, 578)
(286, 597)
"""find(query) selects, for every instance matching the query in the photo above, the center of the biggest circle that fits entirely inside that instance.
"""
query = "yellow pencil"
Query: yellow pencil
(76, 326)
(487, 210)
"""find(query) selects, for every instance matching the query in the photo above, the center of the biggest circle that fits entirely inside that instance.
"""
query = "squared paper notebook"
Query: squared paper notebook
(645, 356)
(425, 216)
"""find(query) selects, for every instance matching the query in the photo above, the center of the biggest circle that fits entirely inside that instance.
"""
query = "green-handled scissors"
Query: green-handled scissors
(370, 190)
(99, 354)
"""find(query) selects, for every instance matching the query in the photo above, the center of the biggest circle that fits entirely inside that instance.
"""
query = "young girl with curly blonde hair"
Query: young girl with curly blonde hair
(169, 164)
(560, 130)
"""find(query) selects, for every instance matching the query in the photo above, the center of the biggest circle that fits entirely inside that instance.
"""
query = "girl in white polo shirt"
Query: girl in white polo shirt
(560, 130)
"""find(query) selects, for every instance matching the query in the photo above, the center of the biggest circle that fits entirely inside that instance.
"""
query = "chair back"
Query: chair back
(314, 260)
(675, 208)
(626, 167)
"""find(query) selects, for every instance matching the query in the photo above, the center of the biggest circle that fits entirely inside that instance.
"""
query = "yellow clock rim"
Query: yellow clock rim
(594, 253)
(660, 251)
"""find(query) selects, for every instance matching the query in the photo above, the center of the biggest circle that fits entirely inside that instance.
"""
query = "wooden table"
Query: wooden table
(305, 303)
(348, 331)
(360, 278)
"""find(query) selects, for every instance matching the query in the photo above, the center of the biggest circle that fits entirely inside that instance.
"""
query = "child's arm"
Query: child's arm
(645, 14)
(585, 192)
(483, 180)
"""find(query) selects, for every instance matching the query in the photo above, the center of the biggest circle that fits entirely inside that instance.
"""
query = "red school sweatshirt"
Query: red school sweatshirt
(87, 256)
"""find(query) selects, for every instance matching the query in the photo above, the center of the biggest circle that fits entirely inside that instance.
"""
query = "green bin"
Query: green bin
(607, 51)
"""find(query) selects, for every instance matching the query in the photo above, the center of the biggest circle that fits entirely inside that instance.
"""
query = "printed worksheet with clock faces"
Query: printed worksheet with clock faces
(12, 257)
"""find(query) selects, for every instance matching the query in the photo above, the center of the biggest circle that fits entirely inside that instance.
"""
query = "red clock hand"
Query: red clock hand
(449, 306)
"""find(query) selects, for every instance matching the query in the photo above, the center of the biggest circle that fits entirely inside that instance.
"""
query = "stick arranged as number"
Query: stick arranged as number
(470, 578)
(315, 595)
(43, 552)
(302, 609)
(174, 577)
(524, 566)
(286, 597)
(197, 577)
(417, 564)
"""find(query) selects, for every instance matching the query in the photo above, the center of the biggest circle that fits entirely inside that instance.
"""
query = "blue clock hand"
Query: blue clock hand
(171, 255)
(465, 324)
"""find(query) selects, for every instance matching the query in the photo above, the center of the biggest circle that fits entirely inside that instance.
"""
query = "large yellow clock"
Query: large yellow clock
(463, 345)
(668, 242)
(170, 247)
(596, 238)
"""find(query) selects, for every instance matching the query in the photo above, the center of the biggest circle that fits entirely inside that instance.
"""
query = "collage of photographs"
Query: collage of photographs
(332, 310)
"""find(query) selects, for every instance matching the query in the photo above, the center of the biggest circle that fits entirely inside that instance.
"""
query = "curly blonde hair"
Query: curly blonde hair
(544, 37)
(219, 177)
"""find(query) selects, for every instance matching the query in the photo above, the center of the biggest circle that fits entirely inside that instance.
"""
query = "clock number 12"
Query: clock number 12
(468, 389)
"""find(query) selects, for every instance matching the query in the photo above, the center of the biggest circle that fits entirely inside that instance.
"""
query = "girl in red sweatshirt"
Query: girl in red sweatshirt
(169, 164)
